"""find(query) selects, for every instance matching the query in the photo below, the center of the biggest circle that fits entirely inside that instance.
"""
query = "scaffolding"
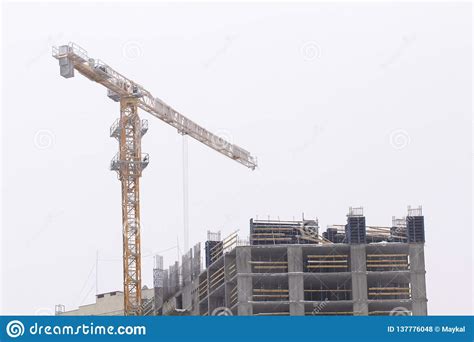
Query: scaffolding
(398, 231)
(277, 232)
(216, 279)
(335, 233)
(203, 289)
(233, 296)
(215, 248)
(232, 270)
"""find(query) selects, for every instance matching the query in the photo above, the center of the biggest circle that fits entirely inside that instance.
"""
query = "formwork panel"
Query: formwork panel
(416, 229)
(355, 229)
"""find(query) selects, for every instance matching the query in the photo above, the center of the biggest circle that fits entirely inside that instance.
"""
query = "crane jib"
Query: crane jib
(72, 57)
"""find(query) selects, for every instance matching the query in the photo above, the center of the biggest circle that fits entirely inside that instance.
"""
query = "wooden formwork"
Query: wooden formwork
(270, 294)
(388, 262)
(269, 266)
(389, 292)
(327, 263)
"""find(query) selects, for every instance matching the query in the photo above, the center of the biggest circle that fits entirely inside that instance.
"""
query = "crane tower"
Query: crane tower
(129, 162)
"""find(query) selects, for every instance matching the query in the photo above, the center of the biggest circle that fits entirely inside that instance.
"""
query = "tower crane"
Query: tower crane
(129, 162)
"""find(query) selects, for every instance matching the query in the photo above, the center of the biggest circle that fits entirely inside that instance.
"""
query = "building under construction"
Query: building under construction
(289, 268)
(285, 268)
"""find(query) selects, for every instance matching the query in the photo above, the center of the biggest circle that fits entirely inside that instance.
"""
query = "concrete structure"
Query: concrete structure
(110, 304)
(372, 271)
(287, 268)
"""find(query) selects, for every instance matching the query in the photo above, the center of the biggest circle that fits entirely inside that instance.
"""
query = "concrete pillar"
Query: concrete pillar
(244, 280)
(208, 276)
(295, 280)
(359, 279)
(158, 284)
(158, 292)
(202, 309)
(195, 297)
(227, 289)
(187, 296)
(417, 279)
(295, 259)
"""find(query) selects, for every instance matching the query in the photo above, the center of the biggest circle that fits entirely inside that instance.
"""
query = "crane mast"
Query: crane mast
(130, 166)
(129, 162)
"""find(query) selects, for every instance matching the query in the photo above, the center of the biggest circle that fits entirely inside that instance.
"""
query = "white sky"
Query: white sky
(344, 105)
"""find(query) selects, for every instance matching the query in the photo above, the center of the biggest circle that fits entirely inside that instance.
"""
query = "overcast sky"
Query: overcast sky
(344, 105)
